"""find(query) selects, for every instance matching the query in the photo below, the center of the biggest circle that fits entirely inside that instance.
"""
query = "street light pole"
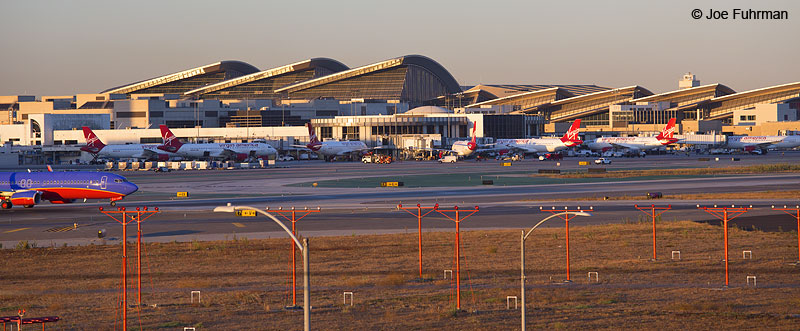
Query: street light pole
(304, 247)
(524, 236)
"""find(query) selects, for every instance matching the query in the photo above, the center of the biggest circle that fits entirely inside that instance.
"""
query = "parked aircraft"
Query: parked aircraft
(752, 143)
(636, 143)
(98, 149)
(332, 148)
(235, 151)
(544, 145)
(30, 188)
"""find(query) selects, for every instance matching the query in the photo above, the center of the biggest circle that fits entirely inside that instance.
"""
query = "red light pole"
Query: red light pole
(566, 218)
(651, 211)
(126, 219)
(458, 218)
(795, 212)
(294, 219)
(419, 216)
(726, 214)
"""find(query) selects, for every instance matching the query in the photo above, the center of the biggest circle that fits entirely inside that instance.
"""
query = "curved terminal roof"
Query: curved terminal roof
(191, 78)
(330, 64)
(528, 100)
(723, 106)
(589, 104)
(439, 72)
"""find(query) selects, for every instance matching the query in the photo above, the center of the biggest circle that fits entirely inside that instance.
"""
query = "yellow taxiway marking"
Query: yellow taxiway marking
(238, 225)
(20, 229)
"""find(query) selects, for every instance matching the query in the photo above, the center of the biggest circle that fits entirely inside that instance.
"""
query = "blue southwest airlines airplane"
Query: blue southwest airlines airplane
(30, 188)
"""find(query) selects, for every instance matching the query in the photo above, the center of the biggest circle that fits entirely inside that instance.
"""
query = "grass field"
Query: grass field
(244, 283)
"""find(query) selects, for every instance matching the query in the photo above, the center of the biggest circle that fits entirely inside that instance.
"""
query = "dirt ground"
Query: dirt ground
(245, 284)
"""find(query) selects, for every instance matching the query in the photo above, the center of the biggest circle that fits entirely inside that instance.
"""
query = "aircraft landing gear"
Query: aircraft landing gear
(28, 206)
(113, 203)
(6, 204)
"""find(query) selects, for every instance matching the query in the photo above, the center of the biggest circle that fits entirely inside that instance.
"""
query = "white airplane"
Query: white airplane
(332, 148)
(97, 148)
(544, 145)
(636, 143)
(751, 143)
(234, 151)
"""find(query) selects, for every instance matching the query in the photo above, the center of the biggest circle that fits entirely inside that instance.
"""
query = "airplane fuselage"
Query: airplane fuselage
(28, 188)
(637, 143)
(533, 145)
(132, 151)
(224, 150)
(333, 148)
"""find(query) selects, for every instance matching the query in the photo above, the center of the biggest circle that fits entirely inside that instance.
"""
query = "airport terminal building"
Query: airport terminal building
(385, 103)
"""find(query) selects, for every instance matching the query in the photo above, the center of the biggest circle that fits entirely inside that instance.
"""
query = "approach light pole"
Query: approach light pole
(565, 215)
(303, 248)
(651, 211)
(524, 236)
(293, 212)
(795, 212)
(419, 216)
(726, 214)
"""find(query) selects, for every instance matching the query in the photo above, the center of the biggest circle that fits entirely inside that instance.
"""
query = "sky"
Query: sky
(71, 47)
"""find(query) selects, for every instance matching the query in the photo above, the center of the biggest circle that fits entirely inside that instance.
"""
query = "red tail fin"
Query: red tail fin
(93, 144)
(313, 143)
(472, 145)
(668, 131)
(571, 138)
(170, 142)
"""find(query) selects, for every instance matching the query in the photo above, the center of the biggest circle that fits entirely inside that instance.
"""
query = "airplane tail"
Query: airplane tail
(312, 136)
(472, 145)
(170, 142)
(571, 138)
(669, 130)
(93, 144)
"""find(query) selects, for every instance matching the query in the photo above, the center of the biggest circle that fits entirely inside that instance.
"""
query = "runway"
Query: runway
(348, 211)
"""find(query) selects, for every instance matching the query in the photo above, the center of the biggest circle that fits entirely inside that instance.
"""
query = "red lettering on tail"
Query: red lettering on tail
(93, 144)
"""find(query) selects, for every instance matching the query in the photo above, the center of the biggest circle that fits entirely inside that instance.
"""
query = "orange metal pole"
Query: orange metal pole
(458, 265)
(294, 262)
(725, 220)
(139, 255)
(124, 273)
(567, 219)
(419, 238)
(654, 230)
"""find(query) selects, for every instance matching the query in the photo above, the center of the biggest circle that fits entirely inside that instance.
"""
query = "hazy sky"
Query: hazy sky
(69, 47)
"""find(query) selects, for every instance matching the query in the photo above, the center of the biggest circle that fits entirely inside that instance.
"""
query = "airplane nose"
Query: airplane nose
(130, 188)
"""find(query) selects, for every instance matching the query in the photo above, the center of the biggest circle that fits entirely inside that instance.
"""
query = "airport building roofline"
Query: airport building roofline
(237, 65)
(769, 89)
(418, 60)
(305, 64)
(667, 95)
(601, 93)
(520, 96)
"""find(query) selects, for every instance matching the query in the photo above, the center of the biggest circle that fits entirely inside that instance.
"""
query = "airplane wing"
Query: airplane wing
(624, 146)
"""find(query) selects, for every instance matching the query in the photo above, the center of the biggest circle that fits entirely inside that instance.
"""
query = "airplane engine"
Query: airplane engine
(26, 198)
(749, 148)
(241, 157)
(163, 157)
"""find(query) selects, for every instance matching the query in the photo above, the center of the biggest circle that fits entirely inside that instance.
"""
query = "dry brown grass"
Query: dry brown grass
(244, 284)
